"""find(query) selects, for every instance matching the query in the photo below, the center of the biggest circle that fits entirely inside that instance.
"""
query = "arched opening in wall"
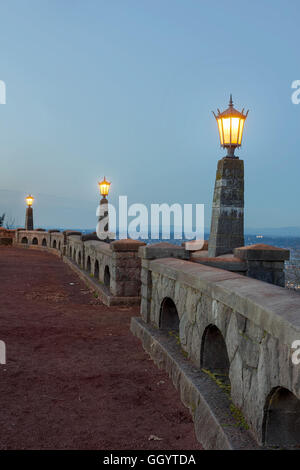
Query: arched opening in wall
(24, 240)
(96, 269)
(79, 258)
(281, 424)
(168, 317)
(107, 277)
(214, 356)
(74, 254)
(44, 242)
(54, 244)
(70, 252)
(35, 241)
(88, 264)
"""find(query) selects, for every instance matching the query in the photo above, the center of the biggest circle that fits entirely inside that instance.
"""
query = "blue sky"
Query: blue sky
(125, 89)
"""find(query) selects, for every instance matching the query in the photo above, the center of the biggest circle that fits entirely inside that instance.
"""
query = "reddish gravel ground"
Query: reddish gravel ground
(76, 378)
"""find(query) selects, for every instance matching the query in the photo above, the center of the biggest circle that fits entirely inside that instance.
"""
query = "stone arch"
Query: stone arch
(70, 252)
(214, 355)
(35, 241)
(24, 240)
(74, 254)
(79, 258)
(54, 244)
(96, 269)
(281, 423)
(107, 277)
(168, 315)
(88, 264)
(44, 242)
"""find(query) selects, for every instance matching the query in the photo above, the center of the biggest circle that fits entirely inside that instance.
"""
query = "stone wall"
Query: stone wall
(115, 266)
(231, 323)
(33, 237)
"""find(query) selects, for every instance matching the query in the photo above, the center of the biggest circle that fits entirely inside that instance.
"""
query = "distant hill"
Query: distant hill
(274, 232)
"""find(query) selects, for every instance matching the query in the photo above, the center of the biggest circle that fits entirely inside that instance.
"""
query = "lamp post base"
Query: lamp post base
(29, 219)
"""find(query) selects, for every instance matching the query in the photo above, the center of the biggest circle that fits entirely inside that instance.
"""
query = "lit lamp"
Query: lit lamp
(29, 213)
(103, 222)
(104, 187)
(231, 125)
(29, 199)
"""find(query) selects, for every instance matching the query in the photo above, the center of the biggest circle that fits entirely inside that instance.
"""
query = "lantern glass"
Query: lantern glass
(104, 187)
(242, 122)
(226, 130)
(220, 131)
(231, 125)
(29, 200)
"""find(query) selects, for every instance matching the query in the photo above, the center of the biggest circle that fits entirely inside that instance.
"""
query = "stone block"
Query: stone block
(262, 252)
(163, 250)
(195, 245)
(126, 245)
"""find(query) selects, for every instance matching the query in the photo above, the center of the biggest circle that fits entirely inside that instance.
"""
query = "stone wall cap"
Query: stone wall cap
(262, 252)
(126, 244)
(75, 237)
(163, 250)
(193, 245)
(98, 244)
(164, 245)
(53, 230)
(228, 262)
(71, 232)
(90, 236)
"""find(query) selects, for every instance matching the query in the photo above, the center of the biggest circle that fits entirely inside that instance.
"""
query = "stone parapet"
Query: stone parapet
(241, 328)
(264, 262)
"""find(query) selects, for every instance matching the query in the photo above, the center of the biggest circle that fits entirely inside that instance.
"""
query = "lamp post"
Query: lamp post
(227, 222)
(103, 221)
(231, 125)
(29, 213)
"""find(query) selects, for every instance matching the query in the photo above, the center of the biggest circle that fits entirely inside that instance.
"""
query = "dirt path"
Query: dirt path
(75, 377)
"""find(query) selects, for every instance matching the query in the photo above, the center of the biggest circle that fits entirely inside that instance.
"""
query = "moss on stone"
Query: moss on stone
(235, 411)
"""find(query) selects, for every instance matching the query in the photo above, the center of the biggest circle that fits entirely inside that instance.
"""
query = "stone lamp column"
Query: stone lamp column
(103, 221)
(227, 222)
(29, 213)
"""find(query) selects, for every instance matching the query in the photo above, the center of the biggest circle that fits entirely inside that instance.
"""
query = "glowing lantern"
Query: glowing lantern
(29, 199)
(231, 125)
(104, 187)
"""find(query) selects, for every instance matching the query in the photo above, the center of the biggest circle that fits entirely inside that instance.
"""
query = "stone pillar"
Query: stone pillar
(125, 268)
(264, 262)
(103, 222)
(227, 222)
(29, 219)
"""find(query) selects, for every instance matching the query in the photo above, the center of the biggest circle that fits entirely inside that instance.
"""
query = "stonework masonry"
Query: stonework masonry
(257, 321)
(227, 223)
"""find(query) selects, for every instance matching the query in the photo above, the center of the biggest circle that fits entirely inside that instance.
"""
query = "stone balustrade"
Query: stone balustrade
(233, 326)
